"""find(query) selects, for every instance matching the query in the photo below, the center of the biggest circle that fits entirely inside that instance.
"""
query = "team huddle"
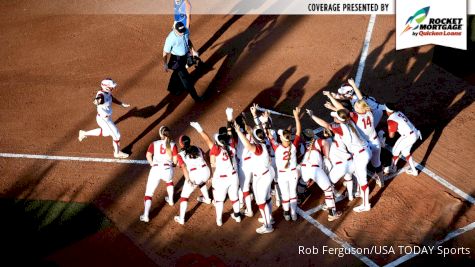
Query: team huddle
(253, 161)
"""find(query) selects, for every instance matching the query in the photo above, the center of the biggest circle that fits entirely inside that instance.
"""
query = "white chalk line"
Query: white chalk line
(448, 237)
(440, 180)
(335, 238)
(364, 51)
(67, 158)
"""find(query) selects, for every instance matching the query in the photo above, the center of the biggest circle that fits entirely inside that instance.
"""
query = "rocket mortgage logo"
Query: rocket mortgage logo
(421, 26)
(422, 22)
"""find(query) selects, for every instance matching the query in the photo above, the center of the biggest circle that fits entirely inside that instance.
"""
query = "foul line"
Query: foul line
(364, 51)
(440, 180)
(449, 236)
(64, 158)
(335, 238)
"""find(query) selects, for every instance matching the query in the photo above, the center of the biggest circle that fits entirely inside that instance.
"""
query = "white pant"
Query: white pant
(340, 168)
(316, 174)
(225, 184)
(156, 174)
(108, 127)
(375, 146)
(361, 160)
(261, 187)
(404, 144)
(245, 176)
(288, 184)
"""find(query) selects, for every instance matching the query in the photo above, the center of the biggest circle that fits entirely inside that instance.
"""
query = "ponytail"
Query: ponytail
(165, 134)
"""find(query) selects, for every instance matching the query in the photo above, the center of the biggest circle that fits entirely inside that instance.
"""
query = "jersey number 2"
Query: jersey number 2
(286, 155)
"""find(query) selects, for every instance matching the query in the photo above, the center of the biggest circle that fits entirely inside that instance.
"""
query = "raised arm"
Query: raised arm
(357, 90)
(188, 13)
(243, 139)
(202, 133)
(298, 126)
(334, 102)
(229, 118)
(319, 121)
(330, 106)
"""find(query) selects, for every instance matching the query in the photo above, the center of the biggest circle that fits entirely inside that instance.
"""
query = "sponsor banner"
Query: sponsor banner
(439, 22)
(224, 7)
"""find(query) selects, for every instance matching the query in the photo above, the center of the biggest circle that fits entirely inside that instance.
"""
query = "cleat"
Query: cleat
(248, 213)
(203, 200)
(236, 218)
(121, 155)
(294, 217)
(361, 208)
(324, 206)
(379, 180)
(178, 220)
(261, 220)
(286, 216)
(335, 216)
(82, 135)
(264, 230)
(169, 201)
(389, 169)
(412, 172)
(143, 218)
(219, 222)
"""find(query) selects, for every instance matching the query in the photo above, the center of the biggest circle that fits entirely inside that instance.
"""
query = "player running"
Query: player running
(103, 101)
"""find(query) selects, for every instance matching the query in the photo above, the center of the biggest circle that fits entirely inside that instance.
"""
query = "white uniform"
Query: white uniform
(341, 159)
(287, 175)
(198, 171)
(358, 147)
(244, 167)
(312, 165)
(225, 178)
(376, 108)
(104, 116)
(262, 180)
(365, 122)
(162, 168)
(397, 121)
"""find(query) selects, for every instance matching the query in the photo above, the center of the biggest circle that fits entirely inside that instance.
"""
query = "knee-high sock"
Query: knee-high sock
(293, 205)
(147, 204)
(204, 191)
(235, 206)
(269, 206)
(247, 200)
(394, 161)
(265, 214)
(116, 145)
(365, 195)
(183, 207)
(329, 198)
(285, 205)
(170, 191)
(219, 205)
(278, 196)
(349, 185)
(411, 162)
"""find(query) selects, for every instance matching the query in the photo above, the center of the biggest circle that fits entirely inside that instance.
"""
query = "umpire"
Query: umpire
(179, 47)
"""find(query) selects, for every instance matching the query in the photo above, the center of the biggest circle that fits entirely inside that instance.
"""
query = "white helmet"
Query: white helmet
(108, 84)
(346, 90)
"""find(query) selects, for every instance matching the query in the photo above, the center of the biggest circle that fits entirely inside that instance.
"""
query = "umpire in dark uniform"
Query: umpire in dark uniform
(176, 50)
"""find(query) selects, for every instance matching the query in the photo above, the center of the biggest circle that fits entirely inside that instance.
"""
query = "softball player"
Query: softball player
(348, 92)
(264, 121)
(162, 156)
(262, 178)
(312, 169)
(103, 101)
(355, 144)
(341, 163)
(196, 172)
(398, 122)
(225, 180)
(286, 161)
